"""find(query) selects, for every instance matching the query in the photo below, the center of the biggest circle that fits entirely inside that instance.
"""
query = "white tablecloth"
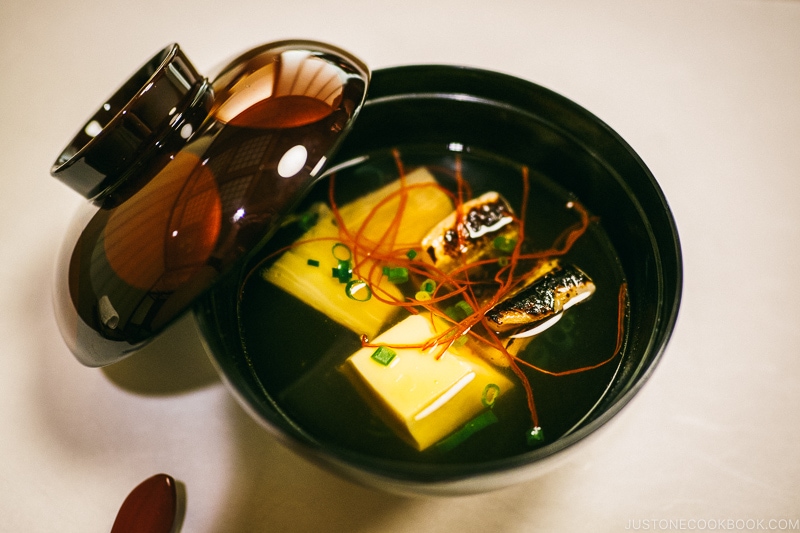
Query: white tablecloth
(706, 91)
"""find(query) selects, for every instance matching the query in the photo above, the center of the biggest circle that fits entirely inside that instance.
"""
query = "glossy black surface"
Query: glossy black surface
(186, 200)
(528, 124)
(160, 99)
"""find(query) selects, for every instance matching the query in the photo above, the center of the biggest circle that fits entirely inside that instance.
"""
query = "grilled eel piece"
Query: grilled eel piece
(468, 233)
(539, 304)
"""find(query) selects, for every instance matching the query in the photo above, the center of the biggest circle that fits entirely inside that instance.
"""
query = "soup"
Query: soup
(433, 304)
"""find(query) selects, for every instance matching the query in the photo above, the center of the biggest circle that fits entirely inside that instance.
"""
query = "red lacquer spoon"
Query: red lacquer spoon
(150, 508)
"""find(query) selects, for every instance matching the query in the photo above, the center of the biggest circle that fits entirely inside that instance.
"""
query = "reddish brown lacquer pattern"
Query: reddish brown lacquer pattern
(192, 203)
(150, 508)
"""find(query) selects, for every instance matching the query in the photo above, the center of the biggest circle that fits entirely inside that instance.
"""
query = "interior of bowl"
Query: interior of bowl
(465, 109)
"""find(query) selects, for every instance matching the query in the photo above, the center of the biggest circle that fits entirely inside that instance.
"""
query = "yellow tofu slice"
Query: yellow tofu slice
(315, 285)
(423, 398)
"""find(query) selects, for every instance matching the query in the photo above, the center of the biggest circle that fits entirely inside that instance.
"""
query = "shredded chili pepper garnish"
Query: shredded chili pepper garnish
(439, 290)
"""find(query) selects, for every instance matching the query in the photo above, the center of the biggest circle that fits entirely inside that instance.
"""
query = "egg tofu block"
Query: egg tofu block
(423, 398)
(315, 286)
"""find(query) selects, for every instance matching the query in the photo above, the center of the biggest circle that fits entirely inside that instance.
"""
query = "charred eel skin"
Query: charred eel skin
(551, 294)
(466, 235)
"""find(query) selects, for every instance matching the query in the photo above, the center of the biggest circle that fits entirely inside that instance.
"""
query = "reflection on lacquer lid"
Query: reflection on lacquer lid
(181, 218)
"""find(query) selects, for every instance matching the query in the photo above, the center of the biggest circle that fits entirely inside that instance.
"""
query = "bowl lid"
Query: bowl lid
(188, 177)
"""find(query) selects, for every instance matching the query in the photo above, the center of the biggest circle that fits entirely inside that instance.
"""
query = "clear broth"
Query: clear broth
(295, 352)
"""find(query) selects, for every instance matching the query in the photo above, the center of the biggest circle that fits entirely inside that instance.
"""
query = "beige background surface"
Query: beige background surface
(706, 91)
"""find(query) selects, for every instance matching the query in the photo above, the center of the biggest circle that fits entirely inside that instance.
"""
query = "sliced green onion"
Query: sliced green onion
(428, 286)
(358, 290)
(313, 262)
(422, 296)
(411, 254)
(465, 308)
(398, 275)
(459, 311)
(308, 220)
(490, 394)
(486, 418)
(502, 261)
(343, 272)
(461, 341)
(341, 252)
(383, 355)
(455, 314)
(534, 436)
(504, 244)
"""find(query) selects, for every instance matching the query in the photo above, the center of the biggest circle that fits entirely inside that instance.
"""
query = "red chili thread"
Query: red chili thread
(457, 282)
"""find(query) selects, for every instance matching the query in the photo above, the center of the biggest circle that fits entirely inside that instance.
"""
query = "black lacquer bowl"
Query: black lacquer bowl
(521, 122)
